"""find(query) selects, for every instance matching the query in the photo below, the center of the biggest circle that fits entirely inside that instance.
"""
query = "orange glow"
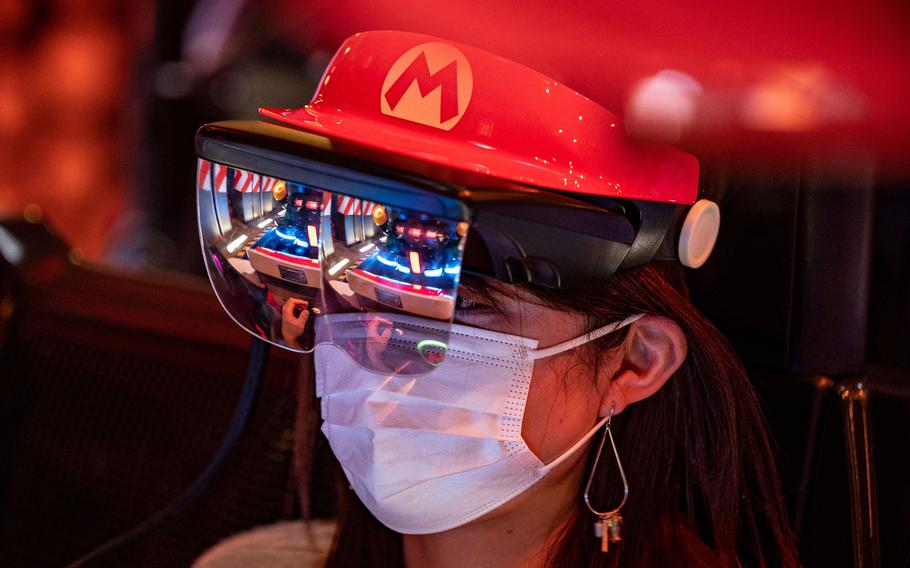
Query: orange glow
(799, 98)
(379, 215)
(415, 233)
(279, 190)
(432, 234)
(414, 258)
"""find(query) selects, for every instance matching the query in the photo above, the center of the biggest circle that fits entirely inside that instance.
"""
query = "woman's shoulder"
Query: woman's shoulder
(298, 544)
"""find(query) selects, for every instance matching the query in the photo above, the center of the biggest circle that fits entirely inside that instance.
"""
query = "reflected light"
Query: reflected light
(10, 247)
(341, 264)
(366, 248)
(386, 261)
(265, 223)
(297, 241)
(795, 98)
(312, 235)
(33, 213)
(663, 106)
(414, 259)
(236, 243)
(217, 262)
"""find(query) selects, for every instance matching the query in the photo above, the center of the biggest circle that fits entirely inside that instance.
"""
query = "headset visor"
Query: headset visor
(282, 254)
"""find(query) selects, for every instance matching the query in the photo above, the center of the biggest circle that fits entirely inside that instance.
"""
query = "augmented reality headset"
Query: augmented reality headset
(348, 215)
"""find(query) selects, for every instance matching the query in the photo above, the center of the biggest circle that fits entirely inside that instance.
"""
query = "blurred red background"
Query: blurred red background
(98, 98)
(117, 378)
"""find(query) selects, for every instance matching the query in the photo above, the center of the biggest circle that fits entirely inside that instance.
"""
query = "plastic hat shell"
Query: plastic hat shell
(459, 107)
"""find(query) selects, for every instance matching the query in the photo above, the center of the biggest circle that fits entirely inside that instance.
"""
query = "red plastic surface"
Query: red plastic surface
(495, 117)
(293, 259)
(404, 287)
(779, 78)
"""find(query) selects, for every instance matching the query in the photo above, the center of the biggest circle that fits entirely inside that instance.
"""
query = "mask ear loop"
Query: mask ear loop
(534, 354)
(608, 526)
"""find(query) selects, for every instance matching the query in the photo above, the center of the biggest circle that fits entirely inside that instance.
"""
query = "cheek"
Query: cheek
(562, 406)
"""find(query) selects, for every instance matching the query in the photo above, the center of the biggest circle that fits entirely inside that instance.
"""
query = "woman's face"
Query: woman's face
(564, 399)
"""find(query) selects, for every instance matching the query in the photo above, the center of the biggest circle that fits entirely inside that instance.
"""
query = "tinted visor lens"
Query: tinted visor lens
(383, 266)
(281, 254)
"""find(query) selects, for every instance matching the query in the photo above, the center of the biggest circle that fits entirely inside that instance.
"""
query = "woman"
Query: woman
(548, 407)
(688, 430)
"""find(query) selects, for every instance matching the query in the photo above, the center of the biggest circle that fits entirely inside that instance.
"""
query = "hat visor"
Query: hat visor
(403, 142)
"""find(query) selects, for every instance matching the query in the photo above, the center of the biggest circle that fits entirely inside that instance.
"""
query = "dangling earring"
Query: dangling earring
(608, 526)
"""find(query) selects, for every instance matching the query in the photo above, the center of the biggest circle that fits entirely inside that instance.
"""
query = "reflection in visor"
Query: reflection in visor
(384, 266)
(289, 250)
(393, 258)
(280, 253)
(388, 343)
(262, 246)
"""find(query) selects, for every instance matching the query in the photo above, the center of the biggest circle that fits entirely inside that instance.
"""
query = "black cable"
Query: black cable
(254, 371)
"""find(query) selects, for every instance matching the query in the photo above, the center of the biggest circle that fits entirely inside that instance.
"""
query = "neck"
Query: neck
(521, 534)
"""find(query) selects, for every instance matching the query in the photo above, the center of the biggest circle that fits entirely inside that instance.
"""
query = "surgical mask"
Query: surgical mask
(427, 453)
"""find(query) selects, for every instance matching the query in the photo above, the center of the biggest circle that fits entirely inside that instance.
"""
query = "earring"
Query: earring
(608, 526)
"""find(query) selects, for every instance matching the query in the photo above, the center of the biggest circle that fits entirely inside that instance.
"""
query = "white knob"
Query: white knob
(699, 233)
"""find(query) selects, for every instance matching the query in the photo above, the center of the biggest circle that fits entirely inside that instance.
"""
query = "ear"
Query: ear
(654, 349)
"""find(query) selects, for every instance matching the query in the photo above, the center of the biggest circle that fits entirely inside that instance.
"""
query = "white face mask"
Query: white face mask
(432, 452)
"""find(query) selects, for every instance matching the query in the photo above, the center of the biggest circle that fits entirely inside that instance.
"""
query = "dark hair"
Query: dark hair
(704, 487)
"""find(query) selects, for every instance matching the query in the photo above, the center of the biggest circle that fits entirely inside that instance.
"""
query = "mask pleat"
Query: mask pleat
(389, 410)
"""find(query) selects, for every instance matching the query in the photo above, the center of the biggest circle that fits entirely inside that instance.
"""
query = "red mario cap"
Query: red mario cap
(459, 107)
